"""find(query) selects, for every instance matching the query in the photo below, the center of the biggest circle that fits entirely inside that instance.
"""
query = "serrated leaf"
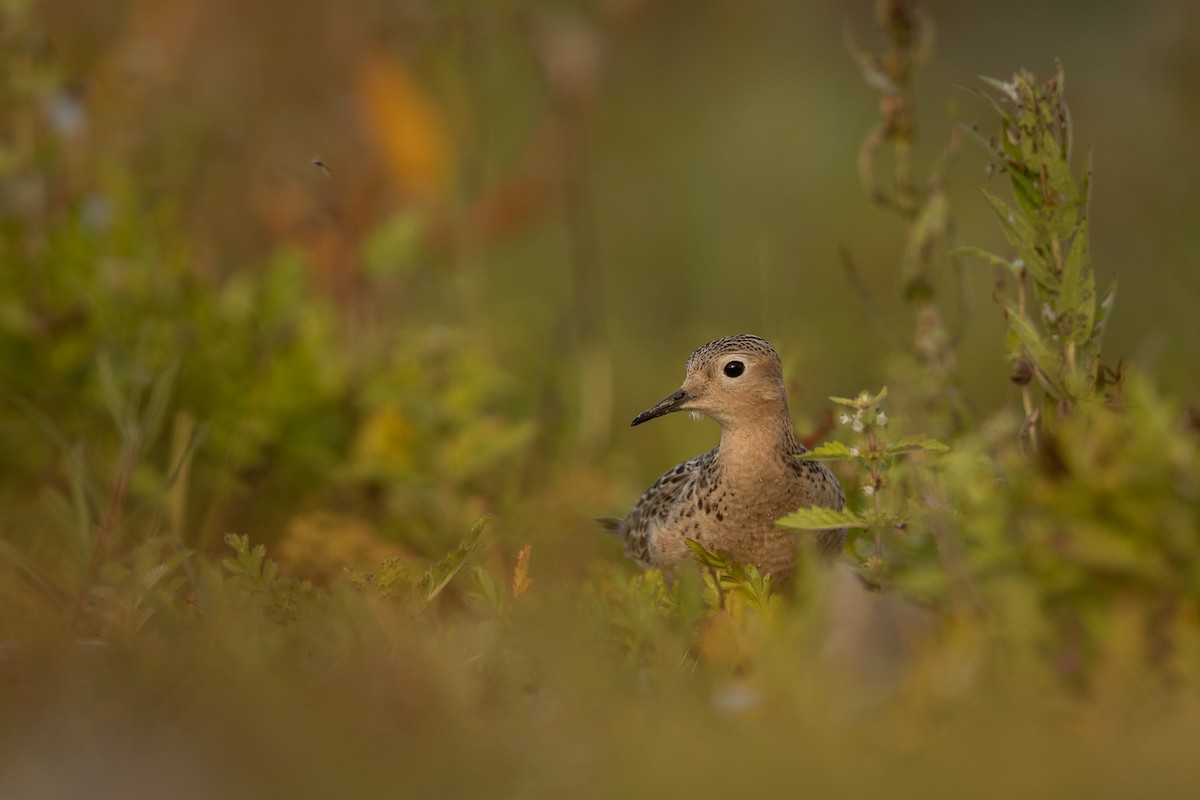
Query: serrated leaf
(743, 578)
(1085, 311)
(521, 580)
(818, 518)
(489, 594)
(1021, 181)
(972, 133)
(1014, 147)
(156, 573)
(440, 573)
(1019, 234)
(1077, 296)
(1045, 358)
(863, 400)
(911, 444)
(705, 556)
(240, 544)
(831, 451)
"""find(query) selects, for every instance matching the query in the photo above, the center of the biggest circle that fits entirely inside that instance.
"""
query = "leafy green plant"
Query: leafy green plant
(395, 581)
(1054, 334)
(435, 433)
(1089, 546)
(724, 579)
(874, 455)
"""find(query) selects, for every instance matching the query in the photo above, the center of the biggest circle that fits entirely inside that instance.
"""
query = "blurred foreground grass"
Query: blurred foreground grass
(303, 526)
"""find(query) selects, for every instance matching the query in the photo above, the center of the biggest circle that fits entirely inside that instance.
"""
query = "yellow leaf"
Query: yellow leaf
(386, 440)
(408, 126)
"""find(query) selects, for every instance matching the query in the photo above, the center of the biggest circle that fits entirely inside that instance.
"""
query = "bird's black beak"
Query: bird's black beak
(665, 406)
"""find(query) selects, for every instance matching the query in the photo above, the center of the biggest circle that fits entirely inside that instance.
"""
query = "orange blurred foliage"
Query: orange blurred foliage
(408, 127)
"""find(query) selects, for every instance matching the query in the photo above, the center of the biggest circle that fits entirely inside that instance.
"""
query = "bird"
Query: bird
(729, 498)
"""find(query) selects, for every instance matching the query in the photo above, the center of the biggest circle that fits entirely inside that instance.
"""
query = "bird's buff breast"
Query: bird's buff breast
(735, 521)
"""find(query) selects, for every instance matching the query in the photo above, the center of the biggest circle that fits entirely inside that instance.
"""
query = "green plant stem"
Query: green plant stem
(116, 501)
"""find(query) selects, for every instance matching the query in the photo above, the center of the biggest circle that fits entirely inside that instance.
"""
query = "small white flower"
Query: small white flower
(881, 418)
(858, 425)
(854, 452)
(844, 419)
(869, 490)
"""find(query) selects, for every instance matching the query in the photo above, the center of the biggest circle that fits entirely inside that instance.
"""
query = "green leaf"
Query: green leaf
(989, 257)
(490, 595)
(160, 397)
(831, 451)
(1021, 181)
(706, 557)
(442, 571)
(1077, 296)
(818, 518)
(1045, 358)
(971, 131)
(863, 400)
(1018, 233)
(1062, 193)
(743, 578)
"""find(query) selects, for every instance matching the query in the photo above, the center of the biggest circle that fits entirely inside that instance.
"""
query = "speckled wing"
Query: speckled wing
(654, 508)
(822, 489)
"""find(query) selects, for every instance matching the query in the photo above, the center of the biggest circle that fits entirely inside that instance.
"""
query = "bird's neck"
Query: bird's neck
(760, 445)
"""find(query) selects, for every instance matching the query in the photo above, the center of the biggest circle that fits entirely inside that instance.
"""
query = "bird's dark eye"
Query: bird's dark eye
(734, 368)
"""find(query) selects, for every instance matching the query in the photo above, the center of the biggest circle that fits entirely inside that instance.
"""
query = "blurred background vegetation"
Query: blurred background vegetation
(345, 278)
